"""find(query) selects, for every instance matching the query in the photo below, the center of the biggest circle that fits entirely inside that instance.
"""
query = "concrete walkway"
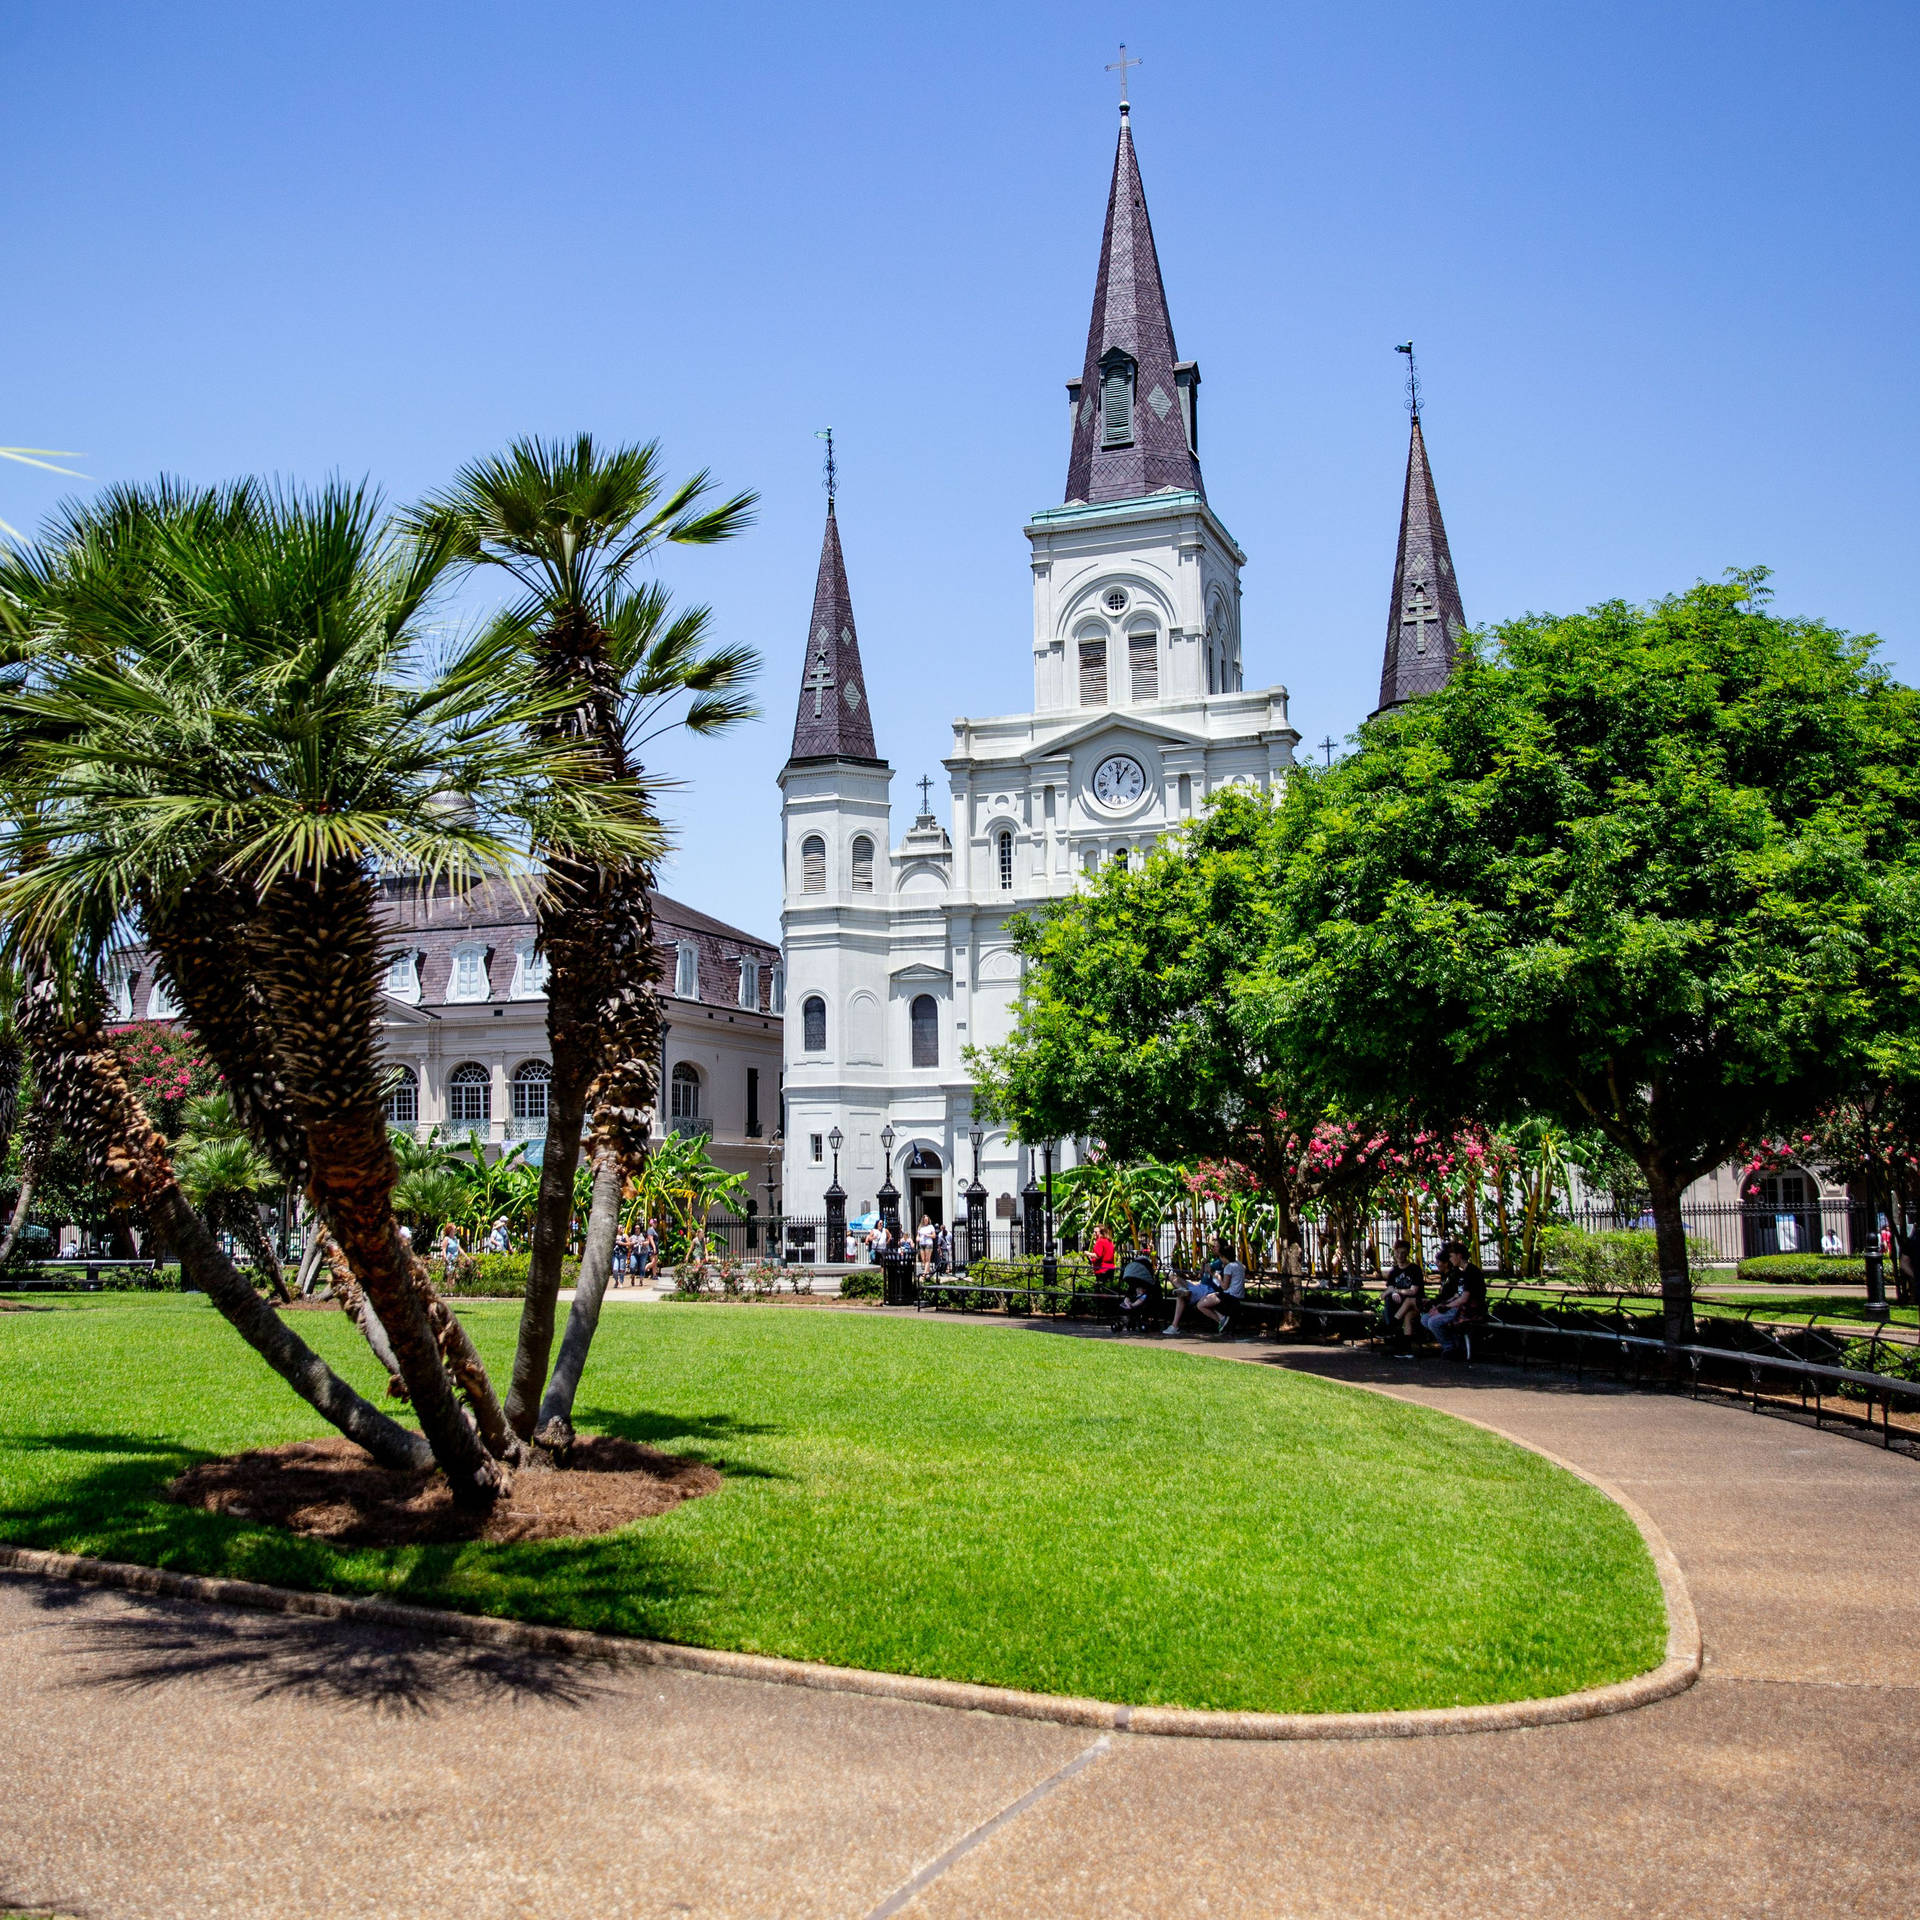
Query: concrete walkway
(171, 1759)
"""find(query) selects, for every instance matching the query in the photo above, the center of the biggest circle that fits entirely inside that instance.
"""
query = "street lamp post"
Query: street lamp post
(773, 1190)
(836, 1204)
(976, 1204)
(1050, 1266)
(889, 1193)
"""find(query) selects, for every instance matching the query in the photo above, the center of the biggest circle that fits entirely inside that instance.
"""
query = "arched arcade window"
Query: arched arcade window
(531, 1083)
(403, 1098)
(686, 1092)
(469, 1096)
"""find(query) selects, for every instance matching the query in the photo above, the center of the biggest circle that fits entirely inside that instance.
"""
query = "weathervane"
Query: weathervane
(1413, 379)
(1120, 67)
(833, 472)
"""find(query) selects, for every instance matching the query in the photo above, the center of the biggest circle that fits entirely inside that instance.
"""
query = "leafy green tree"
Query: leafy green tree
(1129, 1026)
(1647, 870)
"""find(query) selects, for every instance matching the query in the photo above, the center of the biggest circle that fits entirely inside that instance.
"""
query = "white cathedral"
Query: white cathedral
(896, 955)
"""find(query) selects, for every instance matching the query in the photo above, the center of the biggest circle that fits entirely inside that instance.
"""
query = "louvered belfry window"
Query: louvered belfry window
(1116, 403)
(863, 865)
(1093, 673)
(1143, 665)
(813, 864)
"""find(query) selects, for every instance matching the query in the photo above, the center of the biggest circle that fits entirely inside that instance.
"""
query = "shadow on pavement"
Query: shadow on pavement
(142, 1644)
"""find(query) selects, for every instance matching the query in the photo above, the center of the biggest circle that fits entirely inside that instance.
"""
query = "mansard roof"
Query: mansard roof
(1425, 621)
(1130, 317)
(833, 720)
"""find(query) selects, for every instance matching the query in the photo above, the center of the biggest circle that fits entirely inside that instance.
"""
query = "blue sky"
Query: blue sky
(1659, 262)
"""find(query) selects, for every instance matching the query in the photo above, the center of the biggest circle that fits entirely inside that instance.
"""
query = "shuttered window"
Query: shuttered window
(925, 1015)
(1116, 406)
(863, 865)
(813, 864)
(1143, 665)
(1093, 673)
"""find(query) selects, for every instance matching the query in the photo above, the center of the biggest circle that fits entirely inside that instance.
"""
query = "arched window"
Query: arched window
(532, 1079)
(813, 1024)
(1093, 671)
(925, 1018)
(863, 865)
(469, 1096)
(1120, 858)
(1006, 861)
(1143, 664)
(813, 864)
(686, 1092)
(403, 1098)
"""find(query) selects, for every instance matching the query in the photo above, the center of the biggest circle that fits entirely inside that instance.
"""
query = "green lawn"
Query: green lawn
(982, 1503)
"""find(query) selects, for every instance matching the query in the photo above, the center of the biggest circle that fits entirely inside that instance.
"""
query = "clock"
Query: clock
(1118, 780)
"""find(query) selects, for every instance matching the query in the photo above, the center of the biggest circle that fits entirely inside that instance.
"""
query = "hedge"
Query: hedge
(1804, 1269)
(497, 1276)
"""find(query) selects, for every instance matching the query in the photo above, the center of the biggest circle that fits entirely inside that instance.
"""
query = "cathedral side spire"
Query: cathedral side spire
(1426, 619)
(1135, 424)
(833, 721)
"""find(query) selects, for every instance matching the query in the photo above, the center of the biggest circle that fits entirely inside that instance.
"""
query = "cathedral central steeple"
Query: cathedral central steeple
(1135, 419)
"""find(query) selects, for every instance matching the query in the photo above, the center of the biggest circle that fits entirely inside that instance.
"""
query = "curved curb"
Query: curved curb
(1675, 1674)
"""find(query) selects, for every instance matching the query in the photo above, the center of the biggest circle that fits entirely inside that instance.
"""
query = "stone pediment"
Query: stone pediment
(1116, 726)
(918, 973)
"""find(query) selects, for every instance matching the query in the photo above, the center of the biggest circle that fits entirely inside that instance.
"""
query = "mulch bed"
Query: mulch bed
(331, 1490)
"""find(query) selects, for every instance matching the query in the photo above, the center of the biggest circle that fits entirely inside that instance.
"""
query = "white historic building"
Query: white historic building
(896, 952)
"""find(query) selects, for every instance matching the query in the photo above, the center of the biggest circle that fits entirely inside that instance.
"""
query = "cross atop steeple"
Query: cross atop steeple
(1120, 67)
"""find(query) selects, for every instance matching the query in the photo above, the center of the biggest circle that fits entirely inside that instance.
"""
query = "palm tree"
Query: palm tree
(224, 1174)
(236, 735)
(570, 522)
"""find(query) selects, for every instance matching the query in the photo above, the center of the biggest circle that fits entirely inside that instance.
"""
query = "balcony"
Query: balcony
(698, 1128)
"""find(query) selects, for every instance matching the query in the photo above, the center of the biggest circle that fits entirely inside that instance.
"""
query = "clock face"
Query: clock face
(1118, 781)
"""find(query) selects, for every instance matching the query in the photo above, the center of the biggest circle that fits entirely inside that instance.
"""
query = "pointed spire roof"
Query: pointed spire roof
(1130, 318)
(833, 721)
(1425, 622)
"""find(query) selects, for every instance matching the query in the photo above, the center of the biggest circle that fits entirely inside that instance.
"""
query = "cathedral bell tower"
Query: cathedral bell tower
(834, 819)
(1136, 583)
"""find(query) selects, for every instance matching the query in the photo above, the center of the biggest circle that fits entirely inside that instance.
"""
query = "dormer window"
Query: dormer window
(749, 982)
(1116, 400)
(686, 970)
(469, 980)
(529, 973)
(403, 978)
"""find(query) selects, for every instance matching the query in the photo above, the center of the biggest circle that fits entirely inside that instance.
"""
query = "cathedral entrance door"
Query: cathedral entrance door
(926, 1188)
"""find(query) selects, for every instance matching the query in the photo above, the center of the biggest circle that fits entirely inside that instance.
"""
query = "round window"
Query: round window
(1116, 599)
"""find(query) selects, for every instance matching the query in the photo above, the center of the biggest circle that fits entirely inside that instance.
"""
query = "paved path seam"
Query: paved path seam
(1676, 1672)
(932, 1871)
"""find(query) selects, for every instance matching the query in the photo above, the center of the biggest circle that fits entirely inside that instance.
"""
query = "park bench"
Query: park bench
(76, 1276)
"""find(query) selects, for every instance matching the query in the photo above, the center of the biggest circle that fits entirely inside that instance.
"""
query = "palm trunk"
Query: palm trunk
(555, 1430)
(88, 1096)
(353, 1303)
(317, 945)
(260, 1249)
(553, 1216)
(19, 1220)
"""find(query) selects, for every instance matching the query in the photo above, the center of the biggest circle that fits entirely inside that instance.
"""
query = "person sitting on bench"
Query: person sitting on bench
(1463, 1298)
(1204, 1294)
(1230, 1283)
(1406, 1289)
